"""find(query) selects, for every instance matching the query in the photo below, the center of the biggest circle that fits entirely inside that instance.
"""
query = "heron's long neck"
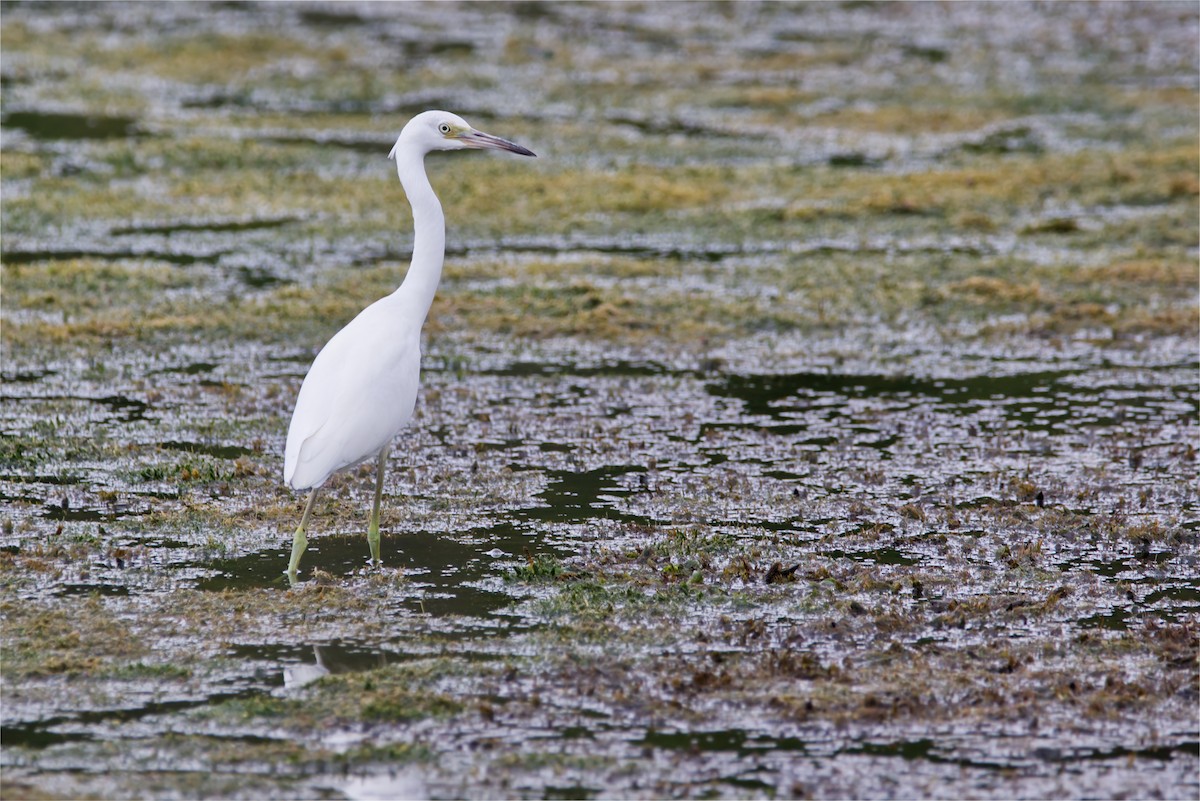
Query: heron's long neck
(429, 234)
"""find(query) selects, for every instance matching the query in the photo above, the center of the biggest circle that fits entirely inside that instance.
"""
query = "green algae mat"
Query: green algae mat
(816, 416)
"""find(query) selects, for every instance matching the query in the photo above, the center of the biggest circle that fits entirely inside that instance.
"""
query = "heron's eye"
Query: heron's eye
(444, 128)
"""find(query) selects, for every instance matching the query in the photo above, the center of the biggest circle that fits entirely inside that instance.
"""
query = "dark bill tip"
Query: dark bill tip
(487, 141)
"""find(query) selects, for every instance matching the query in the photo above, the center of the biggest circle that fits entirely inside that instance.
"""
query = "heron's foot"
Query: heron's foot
(373, 541)
(293, 578)
(299, 543)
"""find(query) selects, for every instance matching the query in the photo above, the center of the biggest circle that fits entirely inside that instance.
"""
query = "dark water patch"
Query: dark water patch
(618, 368)
(331, 18)
(1110, 621)
(582, 496)
(335, 656)
(26, 376)
(266, 568)
(193, 368)
(922, 750)
(1181, 596)
(1006, 139)
(36, 255)
(451, 48)
(297, 107)
(302, 664)
(709, 252)
(791, 430)
(762, 393)
(499, 445)
(219, 451)
(160, 542)
(305, 357)
(725, 740)
(875, 556)
(1043, 402)
(1126, 567)
(660, 126)
(370, 145)
(757, 785)
(1160, 753)
(986, 502)
(127, 410)
(931, 53)
(9, 79)
(159, 495)
(737, 741)
(214, 384)
(41, 734)
(854, 160)
(578, 792)
(259, 278)
(62, 479)
(209, 225)
(925, 750)
(706, 251)
(64, 512)
(440, 573)
(89, 589)
(218, 99)
(579, 732)
(38, 735)
(905, 749)
(48, 125)
(700, 252)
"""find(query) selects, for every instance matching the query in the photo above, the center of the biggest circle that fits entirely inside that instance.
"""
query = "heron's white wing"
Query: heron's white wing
(358, 394)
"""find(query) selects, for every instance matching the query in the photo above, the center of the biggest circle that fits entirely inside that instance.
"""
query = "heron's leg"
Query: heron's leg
(299, 541)
(373, 531)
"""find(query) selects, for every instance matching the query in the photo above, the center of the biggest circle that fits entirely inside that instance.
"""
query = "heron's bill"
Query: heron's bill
(485, 141)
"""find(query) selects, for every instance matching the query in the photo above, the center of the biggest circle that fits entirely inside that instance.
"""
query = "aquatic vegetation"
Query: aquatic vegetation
(816, 417)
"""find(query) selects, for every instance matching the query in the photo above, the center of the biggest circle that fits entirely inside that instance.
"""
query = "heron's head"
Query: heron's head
(441, 130)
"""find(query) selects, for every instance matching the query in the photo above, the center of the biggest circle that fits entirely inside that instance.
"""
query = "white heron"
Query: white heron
(362, 387)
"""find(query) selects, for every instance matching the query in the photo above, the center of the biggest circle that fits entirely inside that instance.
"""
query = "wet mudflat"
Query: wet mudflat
(816, 417)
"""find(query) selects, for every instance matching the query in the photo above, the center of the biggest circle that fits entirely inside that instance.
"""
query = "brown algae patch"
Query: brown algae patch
(72, 639)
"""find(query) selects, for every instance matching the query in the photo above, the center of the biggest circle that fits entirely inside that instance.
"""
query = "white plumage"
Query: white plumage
(362, 387)
(349, 408)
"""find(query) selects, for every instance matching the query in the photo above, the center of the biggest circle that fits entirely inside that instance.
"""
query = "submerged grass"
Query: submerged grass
(68, 639)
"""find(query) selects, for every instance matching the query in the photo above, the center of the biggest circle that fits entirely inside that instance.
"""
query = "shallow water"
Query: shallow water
(771, 443)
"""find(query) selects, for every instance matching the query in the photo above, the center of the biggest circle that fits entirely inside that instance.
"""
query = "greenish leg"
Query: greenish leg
(299, 541)
(373, 531)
